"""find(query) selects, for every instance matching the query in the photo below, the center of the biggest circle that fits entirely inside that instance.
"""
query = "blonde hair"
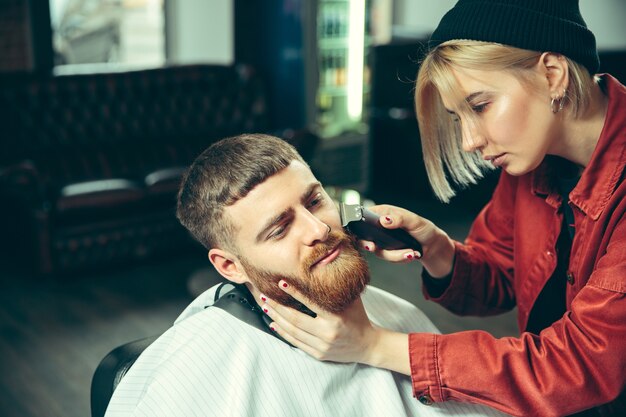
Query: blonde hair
(444, 157)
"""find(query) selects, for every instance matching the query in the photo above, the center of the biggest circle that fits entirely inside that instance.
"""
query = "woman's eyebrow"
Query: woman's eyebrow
(468, 100)
(472, 96)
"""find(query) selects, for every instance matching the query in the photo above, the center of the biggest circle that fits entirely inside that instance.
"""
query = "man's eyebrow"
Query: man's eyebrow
(468, 99)
(273, 222)
(309, 191)
(281, 216)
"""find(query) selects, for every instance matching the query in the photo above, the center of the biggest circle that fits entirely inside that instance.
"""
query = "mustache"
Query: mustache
(333, 288)
(334, 239)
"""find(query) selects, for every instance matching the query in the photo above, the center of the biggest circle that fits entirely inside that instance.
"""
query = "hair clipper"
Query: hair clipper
(365, 225)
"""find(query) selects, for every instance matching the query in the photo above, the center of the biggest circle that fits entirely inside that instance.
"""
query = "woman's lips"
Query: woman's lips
(496, 160)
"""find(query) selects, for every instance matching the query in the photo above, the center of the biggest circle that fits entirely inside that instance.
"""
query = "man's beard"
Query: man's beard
(333, 286)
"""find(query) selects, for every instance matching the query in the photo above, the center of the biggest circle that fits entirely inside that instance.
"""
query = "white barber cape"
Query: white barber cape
(213, 364)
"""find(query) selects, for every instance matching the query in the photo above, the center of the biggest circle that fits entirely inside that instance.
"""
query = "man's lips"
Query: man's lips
(328, 257)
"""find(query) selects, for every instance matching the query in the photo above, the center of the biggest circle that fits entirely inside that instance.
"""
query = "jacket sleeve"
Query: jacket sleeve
(575, 364)
(482, 277)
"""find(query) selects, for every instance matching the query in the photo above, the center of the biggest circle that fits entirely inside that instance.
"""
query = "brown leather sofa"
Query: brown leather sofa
(90, 164)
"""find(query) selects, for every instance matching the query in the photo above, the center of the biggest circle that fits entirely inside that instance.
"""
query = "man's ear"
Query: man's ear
(227, 265)
(556, 71)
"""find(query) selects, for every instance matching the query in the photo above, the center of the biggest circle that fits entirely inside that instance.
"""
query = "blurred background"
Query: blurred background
(103, 103)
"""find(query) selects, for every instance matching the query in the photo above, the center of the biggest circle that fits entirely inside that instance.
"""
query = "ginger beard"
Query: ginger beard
(333, 286)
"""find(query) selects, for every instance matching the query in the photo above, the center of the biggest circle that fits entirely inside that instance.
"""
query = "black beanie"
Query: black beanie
(537, 25)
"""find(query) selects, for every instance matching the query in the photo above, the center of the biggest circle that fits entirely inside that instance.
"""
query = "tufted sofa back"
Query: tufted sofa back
(83, 127)
(90, 164)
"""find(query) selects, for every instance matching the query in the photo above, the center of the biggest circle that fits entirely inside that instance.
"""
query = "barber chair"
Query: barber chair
(237, 301)
(116, 363)
(111, 370)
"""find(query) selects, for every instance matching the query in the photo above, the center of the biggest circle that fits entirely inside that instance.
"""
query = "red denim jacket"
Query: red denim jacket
(577, 363)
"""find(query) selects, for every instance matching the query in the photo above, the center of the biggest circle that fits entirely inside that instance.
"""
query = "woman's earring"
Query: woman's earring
(556, 104)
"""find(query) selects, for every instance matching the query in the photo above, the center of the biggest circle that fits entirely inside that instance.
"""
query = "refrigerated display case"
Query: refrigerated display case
(343, 43)
(315, 56)
(342, 93)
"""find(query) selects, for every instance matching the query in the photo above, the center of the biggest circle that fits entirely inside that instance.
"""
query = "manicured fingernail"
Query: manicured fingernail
(264, 298)
(418, 255)
(265, 310)
(388, 219)
(367, 248)
(283, 284)
(408, 256)
(272, 329)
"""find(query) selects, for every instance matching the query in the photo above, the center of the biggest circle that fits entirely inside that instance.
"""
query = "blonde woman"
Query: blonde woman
(510, 85)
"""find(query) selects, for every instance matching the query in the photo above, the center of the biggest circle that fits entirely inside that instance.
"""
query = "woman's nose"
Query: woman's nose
(471, 138)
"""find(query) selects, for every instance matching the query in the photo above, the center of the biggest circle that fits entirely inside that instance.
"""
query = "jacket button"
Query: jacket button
(570, 278)
(425, 399)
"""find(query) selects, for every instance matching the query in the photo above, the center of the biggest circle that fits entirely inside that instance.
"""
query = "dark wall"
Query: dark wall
(25, 36)
(271, 36)
(396, 155)
(614, 63)
(15, 51)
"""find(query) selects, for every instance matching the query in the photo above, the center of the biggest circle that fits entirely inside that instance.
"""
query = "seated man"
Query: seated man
(255, 205)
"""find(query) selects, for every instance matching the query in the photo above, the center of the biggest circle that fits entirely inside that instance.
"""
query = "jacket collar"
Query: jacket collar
(600, 177)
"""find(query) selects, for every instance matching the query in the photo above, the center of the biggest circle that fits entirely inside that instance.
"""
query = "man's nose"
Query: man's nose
(314, 230)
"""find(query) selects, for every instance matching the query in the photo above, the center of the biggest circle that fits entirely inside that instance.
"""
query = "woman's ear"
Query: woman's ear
(556, 71)
(227, 265)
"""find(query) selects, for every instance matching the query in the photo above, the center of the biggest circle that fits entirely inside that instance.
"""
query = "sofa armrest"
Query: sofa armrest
(98, 195)
(23, 182)
(164, 182)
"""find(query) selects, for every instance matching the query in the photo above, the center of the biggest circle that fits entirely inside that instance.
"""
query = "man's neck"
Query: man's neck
(255, 293)
(257, 297)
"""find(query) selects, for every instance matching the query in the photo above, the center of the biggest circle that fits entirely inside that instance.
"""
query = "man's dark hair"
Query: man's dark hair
(224, 173)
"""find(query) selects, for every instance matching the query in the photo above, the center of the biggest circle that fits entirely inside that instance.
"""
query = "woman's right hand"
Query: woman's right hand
(437, 247)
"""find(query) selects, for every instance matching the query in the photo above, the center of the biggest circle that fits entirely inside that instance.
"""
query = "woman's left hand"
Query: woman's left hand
(343, 337)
